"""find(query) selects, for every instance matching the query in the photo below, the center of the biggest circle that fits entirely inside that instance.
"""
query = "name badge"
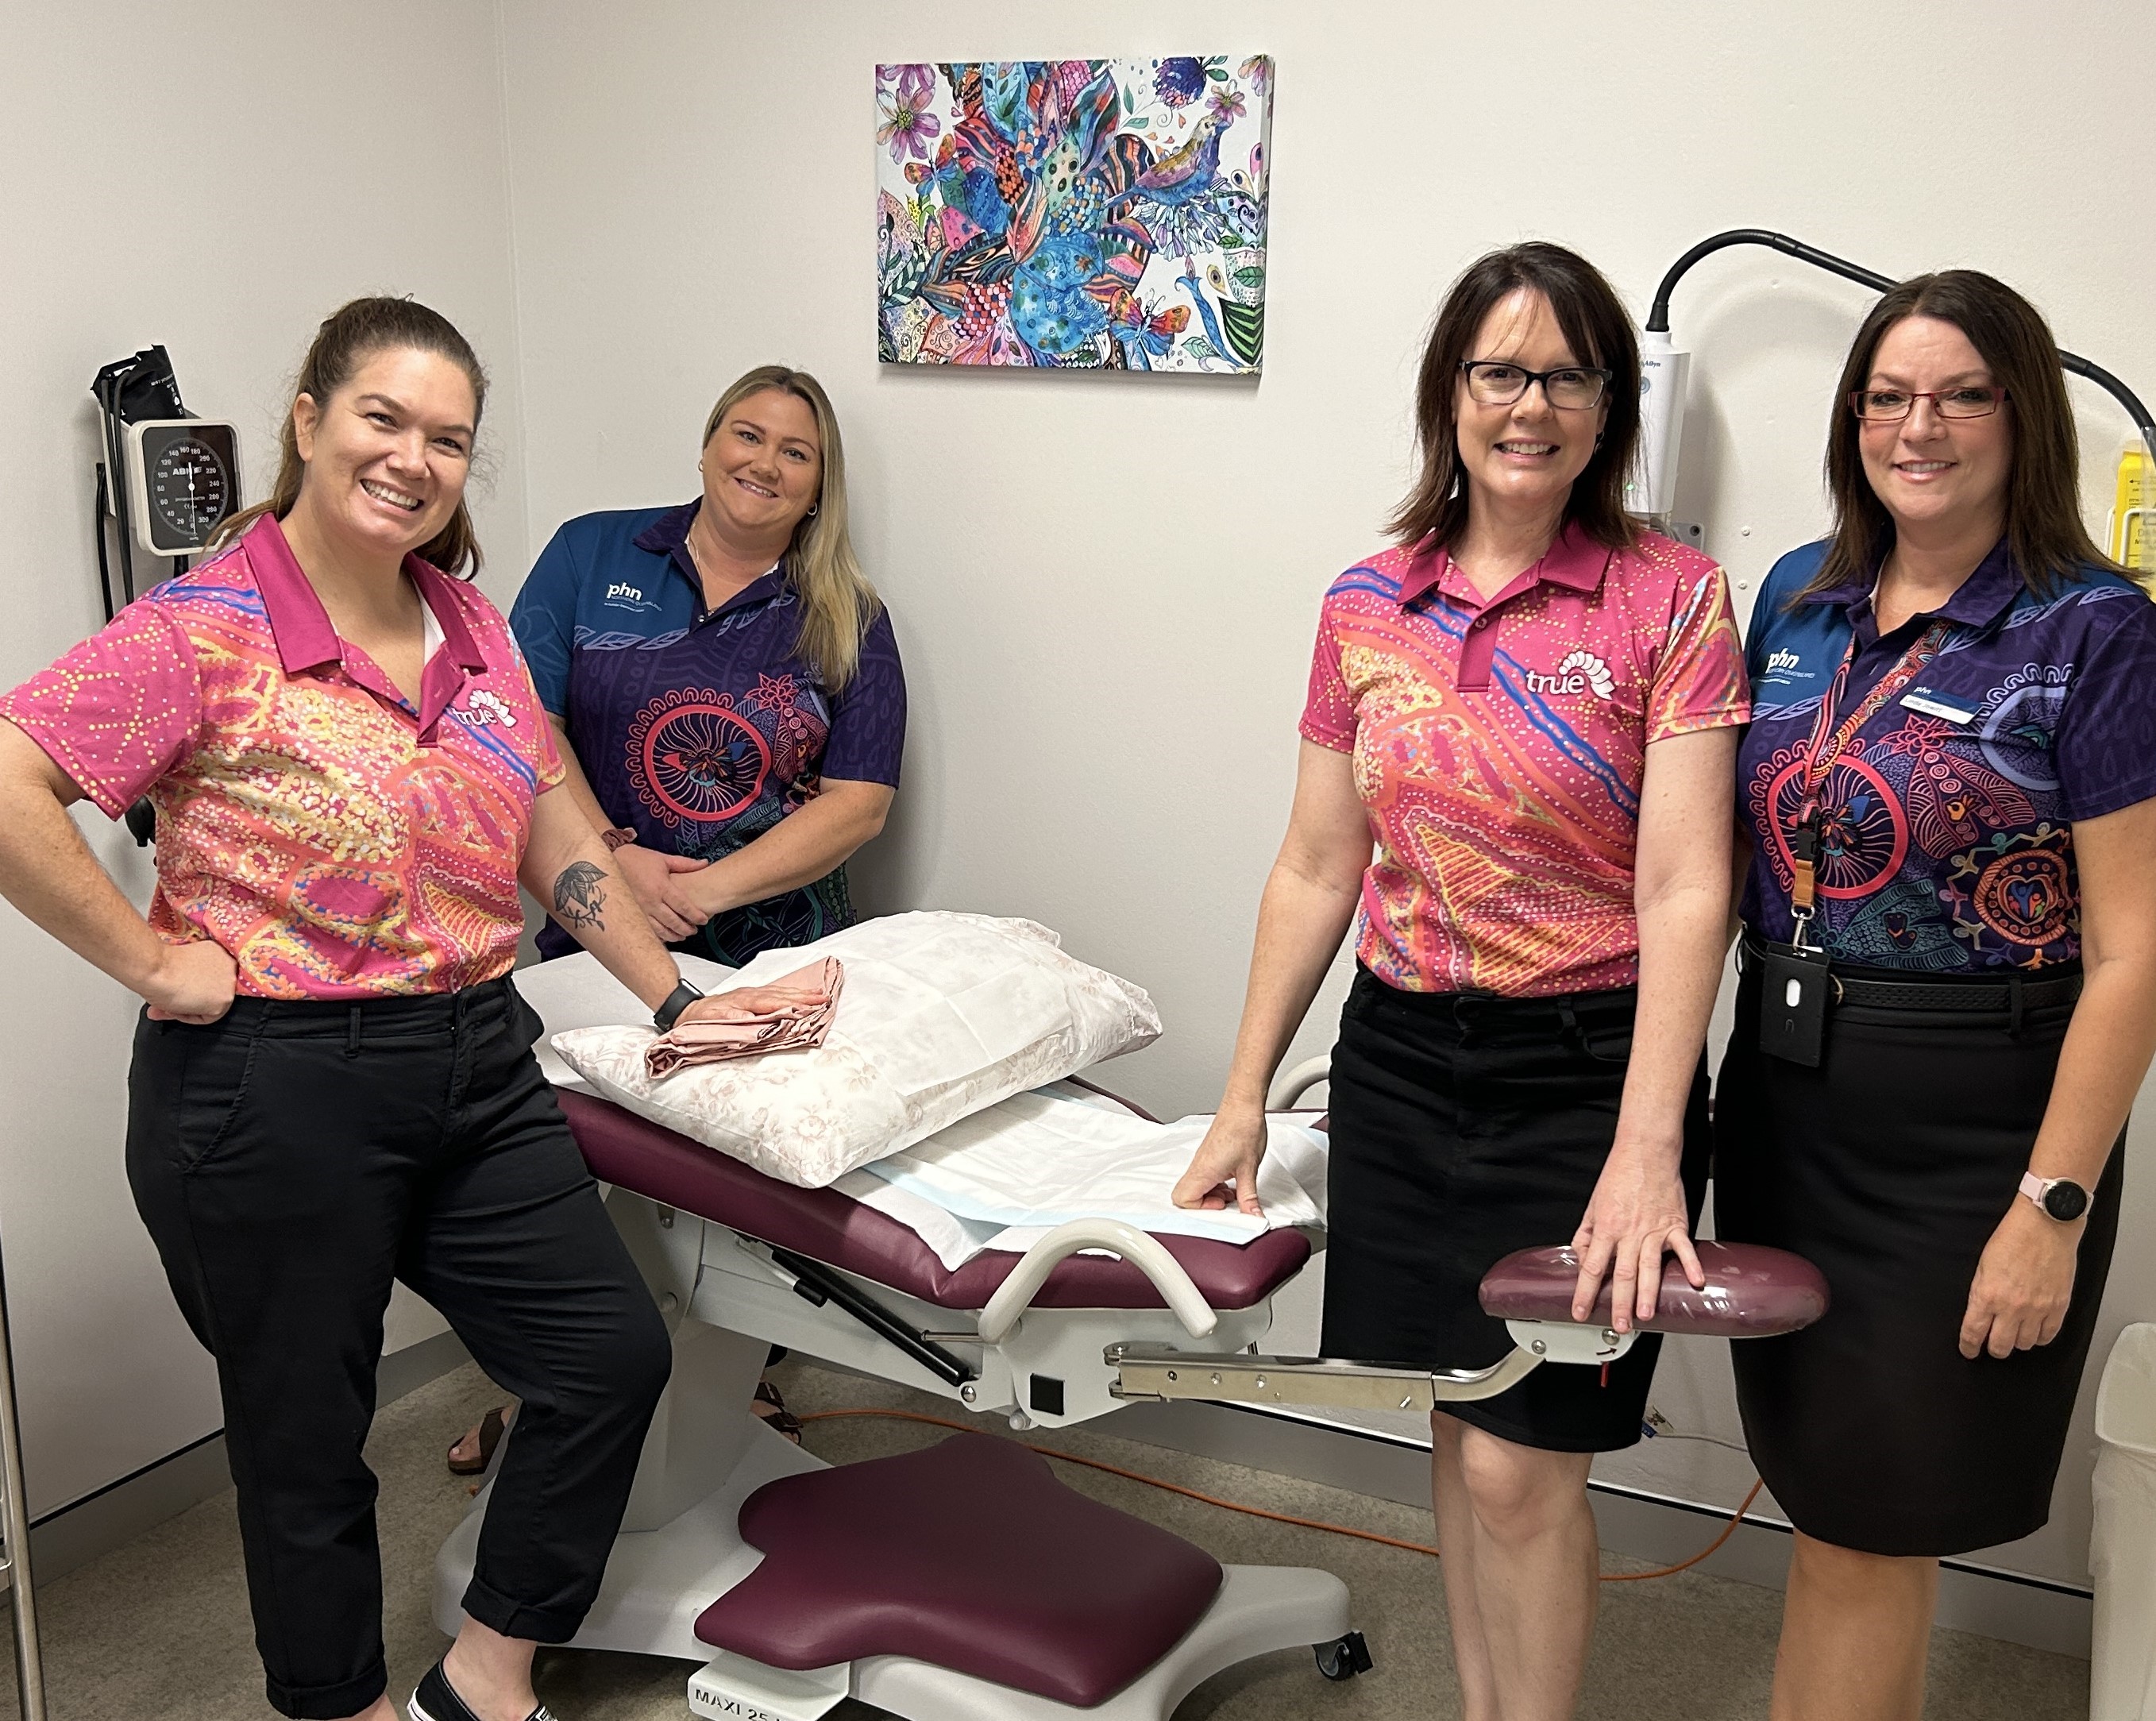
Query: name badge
(1926, 702)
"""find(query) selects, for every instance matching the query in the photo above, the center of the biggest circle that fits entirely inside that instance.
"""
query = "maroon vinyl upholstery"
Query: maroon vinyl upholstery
(826, 1225)
(969, 1555)
(1752, 1291)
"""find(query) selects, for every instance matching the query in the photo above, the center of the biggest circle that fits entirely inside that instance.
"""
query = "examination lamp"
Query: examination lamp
(1663, 369)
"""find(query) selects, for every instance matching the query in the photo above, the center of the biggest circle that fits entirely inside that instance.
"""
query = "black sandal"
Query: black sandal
(490, 1426)
(778, 1419)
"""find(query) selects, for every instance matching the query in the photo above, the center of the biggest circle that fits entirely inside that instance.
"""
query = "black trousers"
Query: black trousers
(290, 1161)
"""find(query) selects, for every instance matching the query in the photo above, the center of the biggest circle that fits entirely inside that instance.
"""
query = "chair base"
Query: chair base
(682, 1548)
(1259, 1608)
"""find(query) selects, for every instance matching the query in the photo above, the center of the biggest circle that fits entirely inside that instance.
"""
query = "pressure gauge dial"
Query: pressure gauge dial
(183, 479)
(190, 488)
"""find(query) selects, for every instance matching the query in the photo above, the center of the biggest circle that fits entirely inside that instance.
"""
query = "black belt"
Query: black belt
(2013, 996)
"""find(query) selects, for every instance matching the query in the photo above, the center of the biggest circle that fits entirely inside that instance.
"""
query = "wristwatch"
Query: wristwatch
(2061, 1197)
(669, 1012)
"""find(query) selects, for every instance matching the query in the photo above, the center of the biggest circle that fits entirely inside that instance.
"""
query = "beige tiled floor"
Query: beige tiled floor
(159, 1628)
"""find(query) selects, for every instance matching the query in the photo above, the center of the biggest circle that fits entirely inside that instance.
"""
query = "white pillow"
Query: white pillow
(941, 1015)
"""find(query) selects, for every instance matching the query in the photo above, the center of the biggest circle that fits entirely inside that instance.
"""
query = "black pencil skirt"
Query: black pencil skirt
(1889, 1167)
(1465, 1126)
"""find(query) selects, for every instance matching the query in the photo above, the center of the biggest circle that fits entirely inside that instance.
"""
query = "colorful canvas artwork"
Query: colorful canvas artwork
(1094, 214)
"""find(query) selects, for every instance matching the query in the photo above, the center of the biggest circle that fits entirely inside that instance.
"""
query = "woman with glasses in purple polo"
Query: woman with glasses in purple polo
(1949, 977)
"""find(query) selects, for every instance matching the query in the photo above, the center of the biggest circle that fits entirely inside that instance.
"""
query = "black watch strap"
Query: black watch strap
(669, 1012)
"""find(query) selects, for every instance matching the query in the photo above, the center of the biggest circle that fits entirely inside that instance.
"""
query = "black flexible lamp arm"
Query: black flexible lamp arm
(1658, 315)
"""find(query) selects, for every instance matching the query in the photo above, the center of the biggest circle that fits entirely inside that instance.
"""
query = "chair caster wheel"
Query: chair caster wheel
(1344, 1657)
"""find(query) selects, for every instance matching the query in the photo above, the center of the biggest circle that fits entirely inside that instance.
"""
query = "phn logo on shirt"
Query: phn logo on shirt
(1582, 672)
(1781, 663)
(622, 595)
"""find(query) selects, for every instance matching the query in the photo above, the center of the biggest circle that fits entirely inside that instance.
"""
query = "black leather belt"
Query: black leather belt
(2013, 996)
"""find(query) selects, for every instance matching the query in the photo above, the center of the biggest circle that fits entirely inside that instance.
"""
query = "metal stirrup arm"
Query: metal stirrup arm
(1153, 1371)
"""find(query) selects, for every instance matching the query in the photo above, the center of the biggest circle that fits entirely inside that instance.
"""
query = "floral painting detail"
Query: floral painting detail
(906, 125)
(1088, 214)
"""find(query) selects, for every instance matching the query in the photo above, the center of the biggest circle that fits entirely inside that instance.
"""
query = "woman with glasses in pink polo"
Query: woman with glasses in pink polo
(1949, 989)
(1531, 706)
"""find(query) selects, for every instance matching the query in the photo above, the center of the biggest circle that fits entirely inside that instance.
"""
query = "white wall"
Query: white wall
(219, 178)
(1105, 585)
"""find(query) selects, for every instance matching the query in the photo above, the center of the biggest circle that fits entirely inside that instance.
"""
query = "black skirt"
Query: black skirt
(1465, 1126)
(1889, 1167)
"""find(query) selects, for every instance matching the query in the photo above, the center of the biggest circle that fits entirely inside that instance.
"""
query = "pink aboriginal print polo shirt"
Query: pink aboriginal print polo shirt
(1500, 747)
(340, 841)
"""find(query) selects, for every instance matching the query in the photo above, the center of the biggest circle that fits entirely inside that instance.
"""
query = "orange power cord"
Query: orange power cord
(1307, 1523)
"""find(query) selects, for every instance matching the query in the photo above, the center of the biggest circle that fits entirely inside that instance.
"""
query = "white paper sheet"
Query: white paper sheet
(1034, 1161)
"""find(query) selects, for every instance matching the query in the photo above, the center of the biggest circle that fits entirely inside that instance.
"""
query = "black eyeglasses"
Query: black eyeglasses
(1571, 388)
(1887, 406)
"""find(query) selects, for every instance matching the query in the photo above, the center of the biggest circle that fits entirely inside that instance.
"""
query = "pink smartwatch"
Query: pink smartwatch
(2059, 1197)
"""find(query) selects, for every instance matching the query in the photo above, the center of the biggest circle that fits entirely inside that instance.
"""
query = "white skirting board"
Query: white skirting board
(1645, 1526)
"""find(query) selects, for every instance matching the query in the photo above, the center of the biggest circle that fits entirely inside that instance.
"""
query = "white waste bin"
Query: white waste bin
(2122, 1549)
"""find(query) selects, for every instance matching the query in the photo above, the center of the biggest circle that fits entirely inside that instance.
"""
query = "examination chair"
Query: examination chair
(965, 1582)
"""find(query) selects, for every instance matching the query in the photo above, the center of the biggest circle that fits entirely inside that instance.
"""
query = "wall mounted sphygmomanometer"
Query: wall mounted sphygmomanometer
(168, 479)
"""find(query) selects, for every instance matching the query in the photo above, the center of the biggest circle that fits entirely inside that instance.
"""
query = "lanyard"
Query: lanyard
(1829, 743)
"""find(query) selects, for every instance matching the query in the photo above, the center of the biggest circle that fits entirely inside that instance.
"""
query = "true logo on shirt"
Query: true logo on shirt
(486, 707)
(1582, 672)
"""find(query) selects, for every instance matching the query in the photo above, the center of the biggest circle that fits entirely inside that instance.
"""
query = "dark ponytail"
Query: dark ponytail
(352, 335)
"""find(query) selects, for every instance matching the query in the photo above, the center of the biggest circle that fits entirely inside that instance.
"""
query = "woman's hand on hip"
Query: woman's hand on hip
(2024, 1281)
(650, 874)
(1636, 1216)
(1223, 1171)
(194, 982)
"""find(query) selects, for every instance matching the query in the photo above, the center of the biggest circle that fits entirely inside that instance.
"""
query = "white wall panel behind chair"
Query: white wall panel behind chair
(217, 178)
(1105, 586)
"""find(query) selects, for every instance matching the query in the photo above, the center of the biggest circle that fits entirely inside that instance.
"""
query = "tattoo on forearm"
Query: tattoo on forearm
(580, 897)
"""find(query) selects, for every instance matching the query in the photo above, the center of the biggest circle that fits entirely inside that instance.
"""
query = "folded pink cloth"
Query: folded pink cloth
(790, 1015)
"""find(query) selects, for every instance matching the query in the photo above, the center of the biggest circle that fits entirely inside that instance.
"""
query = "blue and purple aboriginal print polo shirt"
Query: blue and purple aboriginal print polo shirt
(700, 731)
(1946, 827)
